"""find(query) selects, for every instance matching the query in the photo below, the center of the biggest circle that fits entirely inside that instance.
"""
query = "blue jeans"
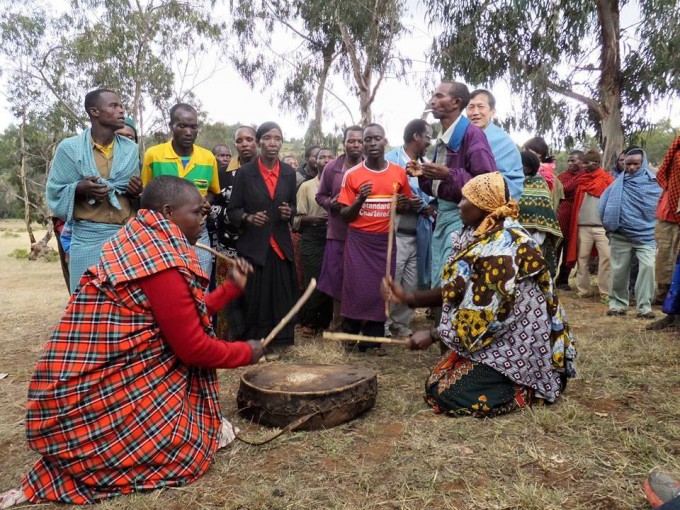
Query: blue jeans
(673, 504)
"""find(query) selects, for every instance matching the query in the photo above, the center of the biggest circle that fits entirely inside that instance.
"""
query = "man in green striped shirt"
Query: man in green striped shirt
(180, 157)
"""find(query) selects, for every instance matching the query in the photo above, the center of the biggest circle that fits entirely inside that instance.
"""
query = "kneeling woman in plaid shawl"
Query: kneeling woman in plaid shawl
(125, 395)
(509, 342)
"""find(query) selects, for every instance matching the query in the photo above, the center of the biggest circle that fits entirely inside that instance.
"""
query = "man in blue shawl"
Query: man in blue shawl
(93, 177)
(481, 110)
(461, 152)
(627, 209)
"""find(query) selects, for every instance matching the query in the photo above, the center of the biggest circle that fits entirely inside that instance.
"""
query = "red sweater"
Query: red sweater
(179, 322)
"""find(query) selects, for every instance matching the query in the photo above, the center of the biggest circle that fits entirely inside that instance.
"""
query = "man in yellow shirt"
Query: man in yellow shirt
(180, 157)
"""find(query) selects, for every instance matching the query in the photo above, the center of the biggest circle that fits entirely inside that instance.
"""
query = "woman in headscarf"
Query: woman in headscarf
(509, 342)
(536, 214)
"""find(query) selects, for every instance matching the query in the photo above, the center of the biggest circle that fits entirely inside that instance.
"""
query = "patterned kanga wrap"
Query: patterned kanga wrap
(500, 309)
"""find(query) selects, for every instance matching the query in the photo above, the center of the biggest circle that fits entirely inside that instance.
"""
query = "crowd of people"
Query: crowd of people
(125, 394)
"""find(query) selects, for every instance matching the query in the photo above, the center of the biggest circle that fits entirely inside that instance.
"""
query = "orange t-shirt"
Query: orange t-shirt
(375, 213)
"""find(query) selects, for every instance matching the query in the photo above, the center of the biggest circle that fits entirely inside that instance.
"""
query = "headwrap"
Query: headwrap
(629, 204)
(668, 177)
(488, 192)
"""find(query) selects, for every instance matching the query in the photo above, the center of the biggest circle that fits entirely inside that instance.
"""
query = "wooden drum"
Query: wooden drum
(277, 395)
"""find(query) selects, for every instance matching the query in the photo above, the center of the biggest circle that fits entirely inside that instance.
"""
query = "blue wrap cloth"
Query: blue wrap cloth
(507, 157)
(628, 205)
(74, 161)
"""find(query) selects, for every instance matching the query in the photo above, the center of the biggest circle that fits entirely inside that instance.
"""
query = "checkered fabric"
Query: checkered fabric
(111, 409)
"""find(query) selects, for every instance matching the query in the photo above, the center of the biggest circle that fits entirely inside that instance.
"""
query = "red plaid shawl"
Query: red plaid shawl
(110, 408)
(668, 177)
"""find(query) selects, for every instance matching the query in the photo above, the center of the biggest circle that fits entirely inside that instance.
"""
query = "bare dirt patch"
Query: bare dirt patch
(591, 450)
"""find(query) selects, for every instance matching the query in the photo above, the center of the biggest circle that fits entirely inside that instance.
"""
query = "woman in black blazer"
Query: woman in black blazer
(262, 206)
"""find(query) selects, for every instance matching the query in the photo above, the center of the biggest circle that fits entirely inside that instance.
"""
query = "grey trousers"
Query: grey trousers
(406, 276)
(621, 252)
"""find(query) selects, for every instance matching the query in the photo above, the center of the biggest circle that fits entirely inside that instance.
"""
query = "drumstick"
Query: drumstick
(291, 313)
(215, 252)
(340, 337)
(390, 240)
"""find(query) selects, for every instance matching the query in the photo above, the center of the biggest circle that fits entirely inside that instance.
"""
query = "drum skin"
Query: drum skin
(276, 395)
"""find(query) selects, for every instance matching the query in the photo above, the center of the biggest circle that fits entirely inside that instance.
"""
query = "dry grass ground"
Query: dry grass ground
(591, 450)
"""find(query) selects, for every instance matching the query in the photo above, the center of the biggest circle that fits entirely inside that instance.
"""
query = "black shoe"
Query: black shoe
(667, 322)
(563, 286)
(612, 312)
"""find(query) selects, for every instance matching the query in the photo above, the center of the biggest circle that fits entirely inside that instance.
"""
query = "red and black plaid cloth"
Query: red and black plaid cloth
(111, 409)
(668, 177)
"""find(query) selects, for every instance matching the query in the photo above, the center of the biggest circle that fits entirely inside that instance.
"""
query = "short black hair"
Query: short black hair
(578, 153)
(165, 189)
(265, 127)
(249, 128)
(415, 127)
(539, 146)
(633, 150)
(92, 97)
(530, 160)
(309, 150)
(350, 129)
(458, 90)
(488, 94)
(593, 156)
(219, 146)
(373, 125)
(332, 151)
(181, 107)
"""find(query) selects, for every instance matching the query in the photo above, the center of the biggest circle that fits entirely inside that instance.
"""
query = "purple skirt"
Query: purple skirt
(330, 279)
(365, 259)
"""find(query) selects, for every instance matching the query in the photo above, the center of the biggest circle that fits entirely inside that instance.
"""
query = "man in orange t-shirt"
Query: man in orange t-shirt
(366, 197)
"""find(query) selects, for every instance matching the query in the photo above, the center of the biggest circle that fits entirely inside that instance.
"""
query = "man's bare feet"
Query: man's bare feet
(12, 498)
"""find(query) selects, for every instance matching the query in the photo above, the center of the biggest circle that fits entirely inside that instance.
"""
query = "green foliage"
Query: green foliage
(138, 49)
(362, 57)
(19, 253)
(40, 143)
(656, 140)
(552, 50)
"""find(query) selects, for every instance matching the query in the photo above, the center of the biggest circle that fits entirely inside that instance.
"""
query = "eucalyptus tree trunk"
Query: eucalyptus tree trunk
(610, 79)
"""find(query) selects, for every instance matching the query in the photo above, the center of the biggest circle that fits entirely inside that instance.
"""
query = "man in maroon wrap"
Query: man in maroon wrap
(330, 279)
(569, 180)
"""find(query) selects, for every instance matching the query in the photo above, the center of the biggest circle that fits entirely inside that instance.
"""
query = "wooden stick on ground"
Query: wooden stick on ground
(390, 240)
(215, 252)
(347, 337)
(291, 313)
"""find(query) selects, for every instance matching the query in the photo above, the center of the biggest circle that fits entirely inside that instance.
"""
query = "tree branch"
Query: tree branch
(289, 26)
(591, 103)
(354, 60)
